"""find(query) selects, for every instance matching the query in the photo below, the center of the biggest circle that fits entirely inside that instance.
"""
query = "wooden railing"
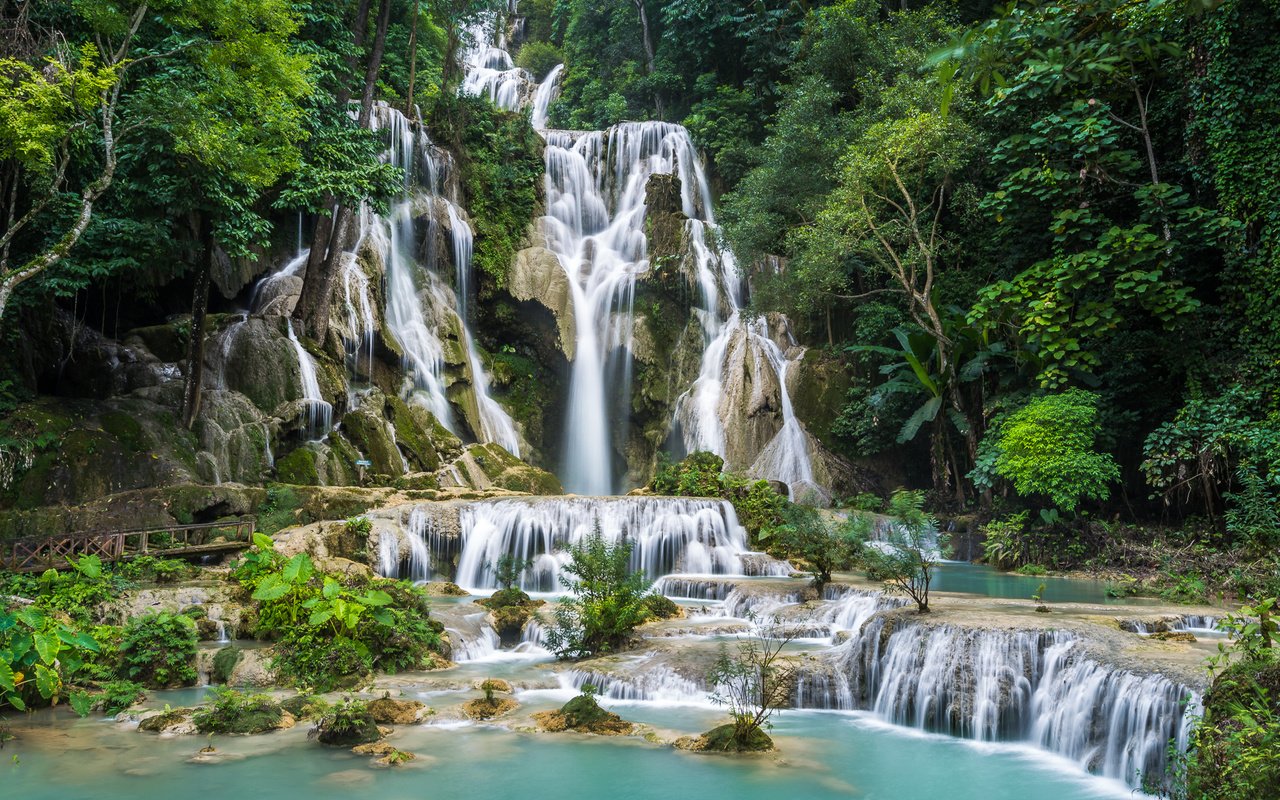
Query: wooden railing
(42, 552)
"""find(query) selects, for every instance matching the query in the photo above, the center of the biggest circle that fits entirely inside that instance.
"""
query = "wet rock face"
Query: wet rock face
(536, 276)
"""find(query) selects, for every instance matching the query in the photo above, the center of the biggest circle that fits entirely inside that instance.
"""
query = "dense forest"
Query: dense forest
(1024, 258)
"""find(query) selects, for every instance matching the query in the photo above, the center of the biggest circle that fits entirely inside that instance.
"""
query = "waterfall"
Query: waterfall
(319, 411)
(1033, 686)
(547, 93)
(595, 188)
(416, 316)
(668, 534)
(430, 551)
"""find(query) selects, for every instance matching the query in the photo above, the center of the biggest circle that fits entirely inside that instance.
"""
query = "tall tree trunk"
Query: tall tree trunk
(650, 59)
(413, 60)
(312, 309)
(193, 392)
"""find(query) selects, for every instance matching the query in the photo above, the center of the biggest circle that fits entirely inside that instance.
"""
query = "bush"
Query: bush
(907, 561)
(348, 723)
(159, 651)
(657, 606)
(157, 570)
(608, 600)
(119, 696)
(825, 546)
(336, 629)
(539, 58)
(1046, 448)
(234, 712)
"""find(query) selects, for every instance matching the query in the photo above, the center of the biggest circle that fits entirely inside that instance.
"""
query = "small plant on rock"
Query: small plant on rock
(752, 684)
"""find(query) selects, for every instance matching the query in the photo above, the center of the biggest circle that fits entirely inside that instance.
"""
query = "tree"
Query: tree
(909, 553)
(824, 545)
(607, 602)
(753, 685)
(1047, 448)
(108, 77)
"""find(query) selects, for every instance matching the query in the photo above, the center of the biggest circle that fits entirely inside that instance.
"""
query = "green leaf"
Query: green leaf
(271, 588)
(299, 569)
(6, 676)
(331, 588)
(263, 542)
(47, 682)
(320, 617)
(88, 643)
(383, 616)
(375, 598)
(16, 702)
(46, 646)
(81, 703)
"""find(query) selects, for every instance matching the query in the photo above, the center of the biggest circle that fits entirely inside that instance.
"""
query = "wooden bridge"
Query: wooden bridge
(38, 553)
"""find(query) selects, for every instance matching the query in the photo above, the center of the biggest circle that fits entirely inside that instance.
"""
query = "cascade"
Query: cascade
(1034, 686)
(416, 318)
(319, 411)
(670, 534)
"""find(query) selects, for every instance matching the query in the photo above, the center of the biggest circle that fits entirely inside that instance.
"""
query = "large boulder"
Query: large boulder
(537, 276)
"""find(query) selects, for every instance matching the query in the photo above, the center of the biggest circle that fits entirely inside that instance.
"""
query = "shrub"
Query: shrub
(348, 723)
(752, 684)
(1047, 448)
(824, 545)
(159, 651)
(607, 603)
(657, 606)
(908, 559)
(234, 712)
(119, 696)
(539, 58)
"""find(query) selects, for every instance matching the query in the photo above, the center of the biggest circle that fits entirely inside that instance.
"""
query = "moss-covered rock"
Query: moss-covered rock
(396, 712)
(818, 386)
(298, 467)
(726, 739)
(584, 715)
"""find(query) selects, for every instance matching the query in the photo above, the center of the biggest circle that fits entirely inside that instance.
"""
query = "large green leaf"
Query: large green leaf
(82, 703)
(320, 617)
(375, 598)
(6, 677)
(47, 682)
(263, 542)
(331, 589)
(89, 566)
(926, 413)
(16, 701)
(299, 569)
(271, 588)
(47, 646)
(383, 616)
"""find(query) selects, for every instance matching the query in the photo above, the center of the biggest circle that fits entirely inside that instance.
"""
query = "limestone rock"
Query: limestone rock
(537, 276)
(482, 709)
(396, 712)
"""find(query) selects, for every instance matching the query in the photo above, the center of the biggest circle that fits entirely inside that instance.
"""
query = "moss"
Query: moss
(725, 739)
(818, 394)
(224, 663)
(299, 467)
(126, 430)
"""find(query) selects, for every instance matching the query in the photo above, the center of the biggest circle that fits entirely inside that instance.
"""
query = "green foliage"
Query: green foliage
(39, 655)
(79, 591)
(233, 712)
(153, 569)
(502, 174)
(824, 545)
(118, 696)
(1233, 749)
(607, 602)
(1046, 448)
(159, 651)
(508, 569)
(348, 723)
(758, 505)
(335, 629)
(753, 684)
(539, 58)
(906, 558)
(1007, 544)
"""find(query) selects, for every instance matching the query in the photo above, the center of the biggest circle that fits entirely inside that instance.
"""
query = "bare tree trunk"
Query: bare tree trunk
(193, 392)
(650, 59)
(317, 282)
(413, 60)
